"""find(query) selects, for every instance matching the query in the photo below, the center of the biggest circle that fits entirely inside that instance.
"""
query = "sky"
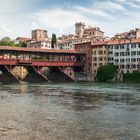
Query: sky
(19, 17)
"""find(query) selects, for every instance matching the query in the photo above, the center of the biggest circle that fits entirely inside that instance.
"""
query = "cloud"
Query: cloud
(110, 6)
(120, 1)
(19, 17)
(64, 19)
(34, 24)
(57, 18)
(134, 5)
(11, 6)
(94, 12)
(4, 30)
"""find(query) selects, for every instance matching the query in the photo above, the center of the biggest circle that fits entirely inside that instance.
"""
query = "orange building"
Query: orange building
(39, 35)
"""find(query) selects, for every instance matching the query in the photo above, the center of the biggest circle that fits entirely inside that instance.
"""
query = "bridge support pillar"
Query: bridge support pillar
(61, 74)
(35, 75)
(68, 73)
(7, 76)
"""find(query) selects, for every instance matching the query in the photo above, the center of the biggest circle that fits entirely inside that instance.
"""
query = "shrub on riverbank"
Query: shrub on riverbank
(132, 77)
(106, 73)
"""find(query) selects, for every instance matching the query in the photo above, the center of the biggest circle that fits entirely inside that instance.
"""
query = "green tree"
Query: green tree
(106, 73)
(22, 44)
(54, 40)
(7, 39)
(132, 77)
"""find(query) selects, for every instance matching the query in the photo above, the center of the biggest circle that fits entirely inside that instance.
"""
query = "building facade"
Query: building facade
(40, 44)
(99, 56)
(125, 54)
(22, 39)
(82, 34)
(86, 47)
(82, 31)
(79, 29)
(132, 34)
(39, 35)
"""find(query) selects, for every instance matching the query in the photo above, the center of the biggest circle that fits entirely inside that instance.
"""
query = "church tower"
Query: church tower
(79, 29)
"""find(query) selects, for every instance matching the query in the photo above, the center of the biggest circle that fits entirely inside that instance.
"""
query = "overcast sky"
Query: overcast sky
(19, 17)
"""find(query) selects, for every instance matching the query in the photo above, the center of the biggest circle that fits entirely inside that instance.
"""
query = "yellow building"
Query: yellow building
(99, 56)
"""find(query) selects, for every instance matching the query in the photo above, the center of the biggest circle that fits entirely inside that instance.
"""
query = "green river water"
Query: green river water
(70, 111)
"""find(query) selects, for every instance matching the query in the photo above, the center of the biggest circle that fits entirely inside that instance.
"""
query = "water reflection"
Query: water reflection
(71, 111)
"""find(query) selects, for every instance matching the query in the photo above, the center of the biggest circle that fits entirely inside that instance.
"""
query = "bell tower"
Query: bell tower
(79, 28)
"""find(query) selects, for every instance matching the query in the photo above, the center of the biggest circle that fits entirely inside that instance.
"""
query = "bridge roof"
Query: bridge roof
(21, 49)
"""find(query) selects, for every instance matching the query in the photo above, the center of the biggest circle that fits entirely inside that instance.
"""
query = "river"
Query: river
(70, 111)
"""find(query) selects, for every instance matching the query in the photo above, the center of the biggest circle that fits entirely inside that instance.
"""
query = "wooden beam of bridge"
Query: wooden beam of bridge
(19, 62)
(21, 49)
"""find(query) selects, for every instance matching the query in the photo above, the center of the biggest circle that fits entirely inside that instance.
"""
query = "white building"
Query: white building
(125, 54)
(82, 34)
(82, 31)
(69, 44)
(46, 44)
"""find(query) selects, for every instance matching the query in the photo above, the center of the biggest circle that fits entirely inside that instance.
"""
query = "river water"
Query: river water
(70, 111)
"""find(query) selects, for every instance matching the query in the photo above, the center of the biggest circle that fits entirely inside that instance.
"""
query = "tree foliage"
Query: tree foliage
(106, 73)
(6, 41)
(132, 77)
(22, 44)
(54, 40)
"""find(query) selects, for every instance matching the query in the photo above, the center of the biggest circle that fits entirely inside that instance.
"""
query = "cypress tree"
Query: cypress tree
(54, 40)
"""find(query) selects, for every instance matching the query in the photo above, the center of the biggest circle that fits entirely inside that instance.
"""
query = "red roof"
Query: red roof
(117, 41)
(23, 38)
(9, 48)
(123, 41)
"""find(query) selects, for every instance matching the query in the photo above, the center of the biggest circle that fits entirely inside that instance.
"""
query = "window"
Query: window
(138, 52)
(133, 60)
(133, 53)
(133, 45)
(122, 60)
(116, 60)
(110, 52)
(122, 46)
(122, 66)
(100, 58)
(127, 66)
(116, 54)
(121, 53)
(110, 59)
(100, 52)
(94, 59)
(128, 60)
(127, 53)
(133, 66)
(116, 47)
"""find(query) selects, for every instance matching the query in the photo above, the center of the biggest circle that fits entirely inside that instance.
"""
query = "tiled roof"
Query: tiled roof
(117, 41)
(23, 38)
(8, 48)
(123, 41)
